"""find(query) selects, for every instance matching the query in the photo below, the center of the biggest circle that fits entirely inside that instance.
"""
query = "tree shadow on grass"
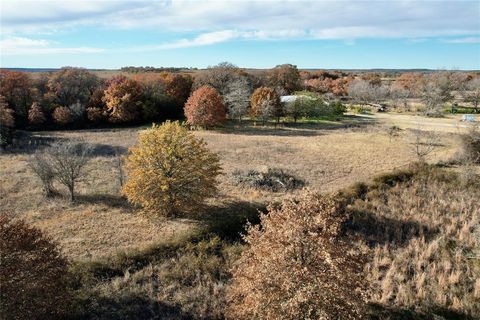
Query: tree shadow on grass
(301, 129)
(378, 230)
(25, 142)
(380, 312)
(111, 200)
(127, 307)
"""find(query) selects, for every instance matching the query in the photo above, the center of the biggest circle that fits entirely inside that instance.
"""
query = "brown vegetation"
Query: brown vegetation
(33, 274)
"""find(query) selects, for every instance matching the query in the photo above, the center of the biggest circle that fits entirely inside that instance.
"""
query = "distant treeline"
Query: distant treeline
(132, 69)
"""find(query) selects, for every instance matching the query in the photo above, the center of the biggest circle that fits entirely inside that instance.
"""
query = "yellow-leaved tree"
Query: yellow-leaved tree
(170, 171)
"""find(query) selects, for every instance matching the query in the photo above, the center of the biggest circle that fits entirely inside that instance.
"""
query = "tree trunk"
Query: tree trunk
(72, 195)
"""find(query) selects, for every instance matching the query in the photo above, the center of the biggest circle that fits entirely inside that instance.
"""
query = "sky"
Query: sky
(344, 34)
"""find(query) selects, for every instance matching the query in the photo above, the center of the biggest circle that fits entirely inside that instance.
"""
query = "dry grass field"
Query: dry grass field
(327, 156)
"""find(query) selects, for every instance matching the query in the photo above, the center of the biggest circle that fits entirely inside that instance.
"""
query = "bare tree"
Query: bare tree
(424, 143)
(237, 97)
(471, 93)
(436, 92)
(43, 169)
(67, 160)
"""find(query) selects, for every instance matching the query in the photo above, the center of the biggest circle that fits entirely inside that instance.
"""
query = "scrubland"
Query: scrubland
(418, 227)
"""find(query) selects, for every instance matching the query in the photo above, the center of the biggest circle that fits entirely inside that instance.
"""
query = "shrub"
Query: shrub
(274, 180)
(36, 115)
(95, 115)
(62, 115)
(205, 107)
(298, 266)
(471, 144)
(33, 274)
(43, 169)
(170, 170)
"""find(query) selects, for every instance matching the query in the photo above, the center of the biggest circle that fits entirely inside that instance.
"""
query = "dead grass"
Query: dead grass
(328, 157)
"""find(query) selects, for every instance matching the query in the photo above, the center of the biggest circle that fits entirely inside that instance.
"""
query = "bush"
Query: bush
(298, 266)
(43, 169)
(205, 108)
(471, 145)
(274, 180)
(33, 274)
(170, 170)
(62, 115)
(95, 114)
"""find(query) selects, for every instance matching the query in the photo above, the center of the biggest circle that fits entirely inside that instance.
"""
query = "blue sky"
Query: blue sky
(258, 34)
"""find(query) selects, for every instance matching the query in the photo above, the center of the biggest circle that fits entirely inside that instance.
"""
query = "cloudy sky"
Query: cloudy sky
(261, 34)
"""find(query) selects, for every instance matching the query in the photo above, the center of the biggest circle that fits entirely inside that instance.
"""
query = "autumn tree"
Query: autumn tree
(205, 108)
(7, 123)
(16, 88)
(237, 98)
(298, 265)
(123, 98)
(265, 104)
(285, 76)
(178, 87)
(36, 115)
(33, 274)
(62, 115)
(71, 85)
(410, 81)
(170, 171)
(218, 77)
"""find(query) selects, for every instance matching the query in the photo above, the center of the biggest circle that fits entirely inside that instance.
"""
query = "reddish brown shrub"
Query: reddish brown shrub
(298, 266)
(62, 115)
(33, 274)
(205, 107)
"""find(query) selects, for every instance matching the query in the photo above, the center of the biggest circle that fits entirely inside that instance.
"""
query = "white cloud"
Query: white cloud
(348, 19)
(22, 46)
(463, 40)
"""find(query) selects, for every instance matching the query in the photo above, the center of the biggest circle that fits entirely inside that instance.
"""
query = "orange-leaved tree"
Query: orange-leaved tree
(123, 98)
(265, 104)
(298, 266)
(170, 171)
(205, 108)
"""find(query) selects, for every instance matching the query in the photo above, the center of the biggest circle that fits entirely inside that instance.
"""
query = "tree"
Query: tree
(170, 171)
(298, 265)
(178, 87)
(471, 93)
(436, 92)
(36, 115)
(7, 122)
(237, 98)
(285, 76)
(205, 108)
(424, 143)
(265, 104)
(218, 77)
(62, 115)
(16, 88)
(123, 98)
(67, 161)
(33, 274)
(71, 85)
